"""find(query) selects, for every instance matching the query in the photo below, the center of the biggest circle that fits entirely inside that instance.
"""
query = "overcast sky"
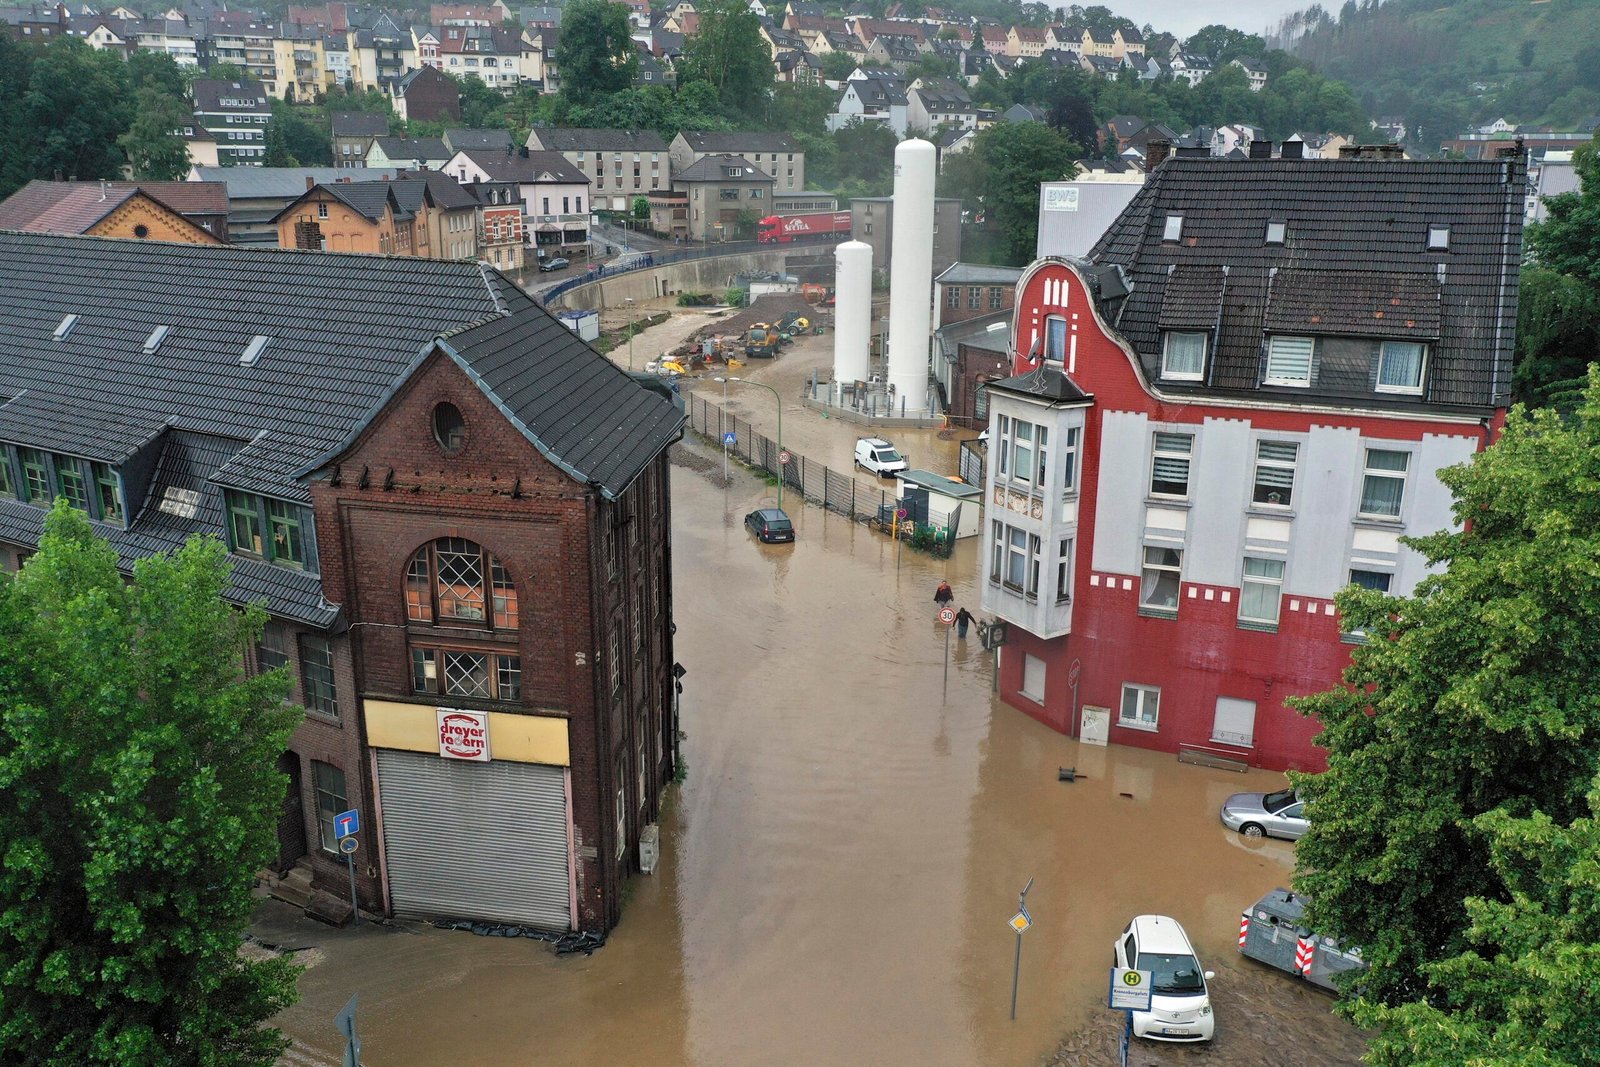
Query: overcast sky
(1183, 17)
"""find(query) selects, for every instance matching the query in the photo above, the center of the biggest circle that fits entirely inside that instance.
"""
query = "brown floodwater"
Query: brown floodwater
(841, 863)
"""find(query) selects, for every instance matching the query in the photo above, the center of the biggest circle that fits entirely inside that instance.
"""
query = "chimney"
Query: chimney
(1349, 151)
(311, 183)
(1155, 153)
(1293, 150)
(102, 191)
(1260, 149)
(1391, 151)
(523, 151)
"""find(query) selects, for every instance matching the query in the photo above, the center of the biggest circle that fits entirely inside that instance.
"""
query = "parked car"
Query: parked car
(1180, 1003)
(558, 263)
(770, 525)
(879, 456)
(1281, 814)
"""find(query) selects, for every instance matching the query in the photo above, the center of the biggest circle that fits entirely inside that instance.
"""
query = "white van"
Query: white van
(879, 456)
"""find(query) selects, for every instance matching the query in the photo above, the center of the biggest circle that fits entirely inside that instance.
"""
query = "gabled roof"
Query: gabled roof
(77, 207)
(1354, 266)
(710, 169)
(457, 140)
(283, 183)
(346, 331)
(413, 147)
(567, 139)
(360, 124)
(959, 273)
(527, 167)
(1098, 36)
(240, 97)
(738, 141)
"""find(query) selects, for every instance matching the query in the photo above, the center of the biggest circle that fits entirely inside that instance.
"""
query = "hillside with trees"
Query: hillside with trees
(1442, 67)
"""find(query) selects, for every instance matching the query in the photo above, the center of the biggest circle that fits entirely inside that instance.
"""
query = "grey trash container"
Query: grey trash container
(1271, 930)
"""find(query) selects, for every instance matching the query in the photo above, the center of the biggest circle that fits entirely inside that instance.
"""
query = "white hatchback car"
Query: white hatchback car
(1180, 1004)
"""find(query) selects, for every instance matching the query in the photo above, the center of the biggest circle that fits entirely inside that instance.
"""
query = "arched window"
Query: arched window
(453, 580)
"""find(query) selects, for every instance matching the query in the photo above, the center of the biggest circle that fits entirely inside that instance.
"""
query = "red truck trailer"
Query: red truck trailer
(782, 229)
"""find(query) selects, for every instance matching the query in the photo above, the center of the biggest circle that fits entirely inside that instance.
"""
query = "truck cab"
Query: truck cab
(879, 456)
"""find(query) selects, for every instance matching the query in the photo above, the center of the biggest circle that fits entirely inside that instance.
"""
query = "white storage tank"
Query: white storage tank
(852, 312)
(911, 275)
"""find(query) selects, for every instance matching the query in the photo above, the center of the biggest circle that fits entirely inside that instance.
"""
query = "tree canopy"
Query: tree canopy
(596, 51)
(138, 798)
(728, 53)
(1473, 695)
(998, 178)
(1558, 313)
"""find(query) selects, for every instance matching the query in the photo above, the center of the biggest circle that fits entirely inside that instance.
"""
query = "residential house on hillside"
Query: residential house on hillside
(256, 195)
(502, 227)
(1226, 415)
(939, 102)
(381, 52)
(719, 189)
(415, 153)
(873, 95)
(798, 68)
(1254, 71)
(1093, 42)
(492, 54)
(106, 209)
(1191, 68)
(351, 217)
(621, 164)
(425, 95)
(555, 194)
(895, 51)
(777, 154)
(236, 113)
(353, 134)
(466, 574)
(1127, 43)
(1025, 42)
(1102, 66)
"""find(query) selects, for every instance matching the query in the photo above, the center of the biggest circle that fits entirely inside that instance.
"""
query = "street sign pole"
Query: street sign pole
(947, 617)
(345, 1023)
(345, 826)
(1019, 922)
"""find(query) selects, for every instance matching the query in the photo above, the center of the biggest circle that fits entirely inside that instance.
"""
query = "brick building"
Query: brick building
(467, 572)
(1234, 409)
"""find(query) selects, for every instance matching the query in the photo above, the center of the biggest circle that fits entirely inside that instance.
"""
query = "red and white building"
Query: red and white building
(1233, 409)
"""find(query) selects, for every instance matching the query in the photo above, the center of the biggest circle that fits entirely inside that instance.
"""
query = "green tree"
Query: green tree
(596, 50)
(226, 72)
(156, 151)
(1568, 241)
(1474, 693)
(1523, 994)
(1015, 158)
(481, 106)
(641, 208)
(16, 69)
(837, 66)
(159, 71)
(1558, 312)
(728, 53)
(138, 798)
(75, 108)
(801, 108)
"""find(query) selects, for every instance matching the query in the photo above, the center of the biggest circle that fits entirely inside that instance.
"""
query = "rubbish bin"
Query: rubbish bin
(1272, 930)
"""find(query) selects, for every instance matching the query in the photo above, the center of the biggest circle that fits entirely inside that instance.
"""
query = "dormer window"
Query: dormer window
(1173, 231)
(1400, 367)
(1183, 356)
(1275, 231)
(1439, 237)
(273, 530)
(1289, 361)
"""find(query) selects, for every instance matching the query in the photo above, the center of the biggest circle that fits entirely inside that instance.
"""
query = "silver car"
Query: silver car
(1280, 814)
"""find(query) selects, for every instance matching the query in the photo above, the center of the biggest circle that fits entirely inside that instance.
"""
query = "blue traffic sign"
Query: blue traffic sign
(730, 438)
(346, 823)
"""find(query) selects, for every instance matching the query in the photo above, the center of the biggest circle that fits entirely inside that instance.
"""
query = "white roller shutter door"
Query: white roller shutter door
(475, 840)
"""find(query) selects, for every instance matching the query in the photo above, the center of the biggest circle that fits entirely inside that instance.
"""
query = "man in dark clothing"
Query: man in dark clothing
(943, 594)
(963, 620)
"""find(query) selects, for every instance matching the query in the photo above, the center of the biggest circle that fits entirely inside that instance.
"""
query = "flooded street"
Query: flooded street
(841, 862)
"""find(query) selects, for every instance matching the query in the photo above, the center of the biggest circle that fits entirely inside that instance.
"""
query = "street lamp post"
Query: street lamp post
(721, 426)
(630, 333)
(779, 399)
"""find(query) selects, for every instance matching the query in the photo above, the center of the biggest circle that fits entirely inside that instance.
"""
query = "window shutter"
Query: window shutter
(1289, 359)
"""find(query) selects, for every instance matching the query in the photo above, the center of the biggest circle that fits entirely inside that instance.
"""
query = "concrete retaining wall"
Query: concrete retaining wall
(710, 275)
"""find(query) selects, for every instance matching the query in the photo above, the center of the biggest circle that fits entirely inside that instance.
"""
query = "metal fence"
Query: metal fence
(835, 490)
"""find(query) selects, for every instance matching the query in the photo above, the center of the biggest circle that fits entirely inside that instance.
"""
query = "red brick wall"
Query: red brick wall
(948, 314)
(545, 529)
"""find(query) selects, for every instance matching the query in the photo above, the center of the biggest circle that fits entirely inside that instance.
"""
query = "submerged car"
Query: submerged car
(770, 525)
(1180, 1003)
(1281, 814)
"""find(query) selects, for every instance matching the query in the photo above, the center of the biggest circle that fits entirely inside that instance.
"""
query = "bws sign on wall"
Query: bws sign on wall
(464, 734)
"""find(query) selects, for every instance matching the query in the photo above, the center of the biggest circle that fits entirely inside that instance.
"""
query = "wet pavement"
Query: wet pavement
(840, 865)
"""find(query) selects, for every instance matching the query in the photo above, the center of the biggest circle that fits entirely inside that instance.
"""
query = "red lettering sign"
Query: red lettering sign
(464, 735)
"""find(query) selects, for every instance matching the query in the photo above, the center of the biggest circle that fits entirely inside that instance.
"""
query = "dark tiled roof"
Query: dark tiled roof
(457, 140)
(209, 94)
(360, 124)
(346, 331)
(1191, 299)
(709, 169)
(1043, 381)
(738, 141)
(60, 207)
(599, 140)
(533, 167)
(1368, 303)
(413, 148)
(186, 198)
(978, 274)
(368, 199)
(1361, 224)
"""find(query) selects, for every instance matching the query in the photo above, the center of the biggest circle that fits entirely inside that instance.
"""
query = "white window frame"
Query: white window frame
(1271, 583)
(1039, 671)
(1064, 570)
(1228, 737)
(1150, 574)
(1168, 450)
(1144, 695)
(1422, 368)
(1166, 352)
(1273, 463)
(1438, 237)
(1277, 229)
(1069, 461)
(1059, 355)
(1172, 229)
(1271, 378)
(1357, 635)
(1368, 472)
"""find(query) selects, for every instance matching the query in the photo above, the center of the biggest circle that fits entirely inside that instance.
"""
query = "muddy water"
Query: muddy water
(841, 863)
